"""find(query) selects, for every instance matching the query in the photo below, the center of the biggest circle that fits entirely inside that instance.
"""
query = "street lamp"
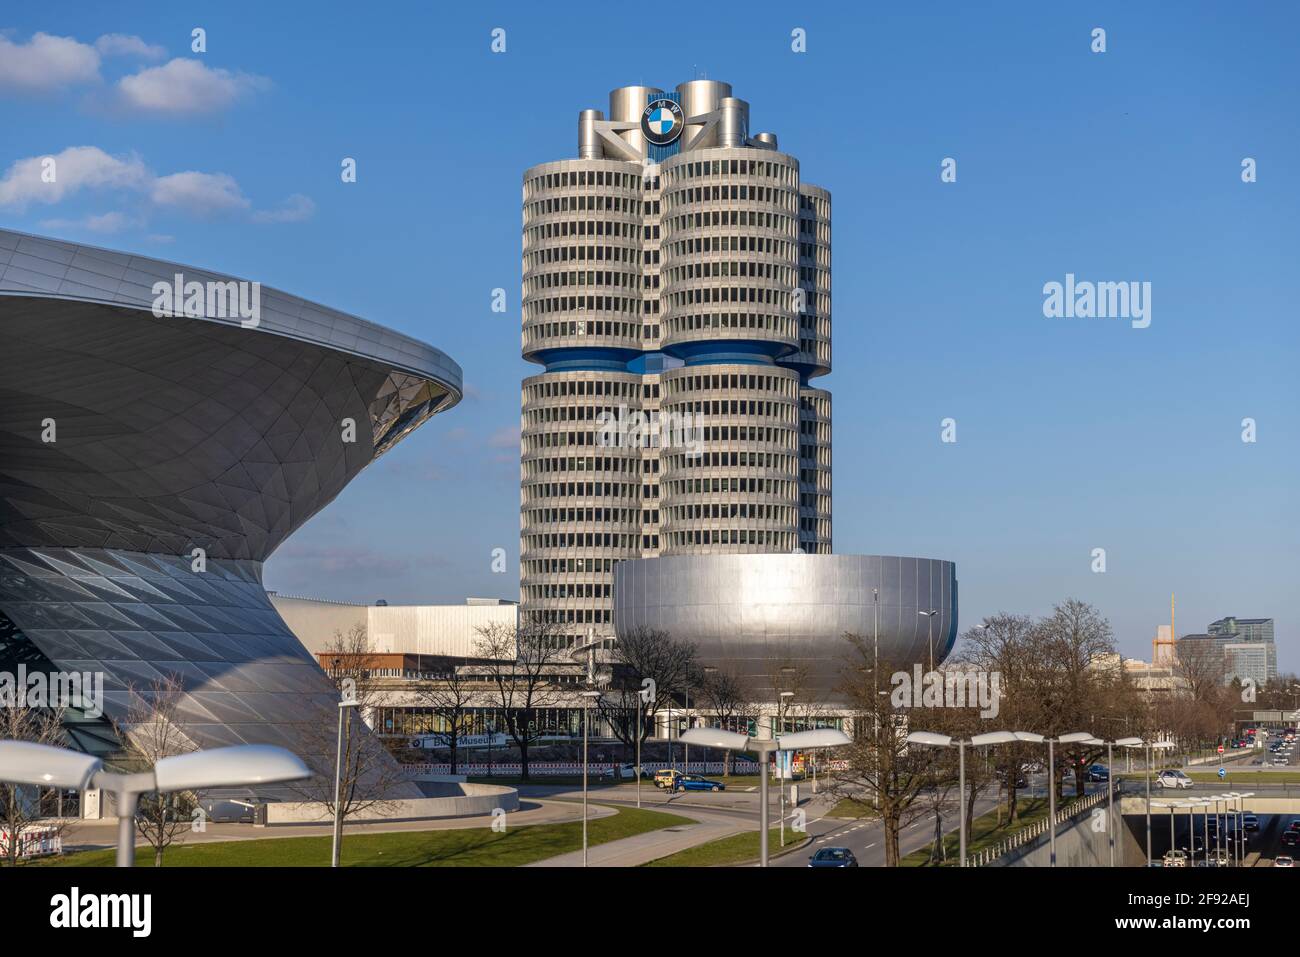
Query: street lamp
(348, 701)
(1152, 746)
(590, 697)
(800, 740)
(24, 762)
(931, 739)
(929, 621)
(780, 720)
(1074, 737)
(1110, 783)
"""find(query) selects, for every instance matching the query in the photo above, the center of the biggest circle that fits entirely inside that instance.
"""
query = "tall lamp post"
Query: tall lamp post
(1152, 746)
(929, 621)
(780, 721)
(348, 701)
(931, 739)
(733, 741)
(1110, 783)
(1074, 737)
(24, 762)
(589, 697)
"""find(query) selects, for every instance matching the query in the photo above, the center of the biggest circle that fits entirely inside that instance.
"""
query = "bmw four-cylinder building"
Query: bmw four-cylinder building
(162, 430)
(677, 276)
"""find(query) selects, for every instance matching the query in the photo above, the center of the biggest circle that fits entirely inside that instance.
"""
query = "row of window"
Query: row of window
(611, 540)
(677, 172)
(713, 219)
(773, 461)
(564, 179)
(678, 383)
(762, 539)
(730, 193)
(716, 511)
(534, 491)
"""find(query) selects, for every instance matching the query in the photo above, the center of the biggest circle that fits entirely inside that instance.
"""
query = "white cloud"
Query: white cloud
(122, 44)
(45, 63)
(76, 168)
(184, 87)
(199, 193)
(105, 223)
(295, 209)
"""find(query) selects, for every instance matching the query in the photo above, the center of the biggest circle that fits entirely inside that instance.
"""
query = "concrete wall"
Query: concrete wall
(475, 799)
(1079, 843)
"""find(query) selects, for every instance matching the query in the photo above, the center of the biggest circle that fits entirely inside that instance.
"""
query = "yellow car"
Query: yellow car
(666, 778)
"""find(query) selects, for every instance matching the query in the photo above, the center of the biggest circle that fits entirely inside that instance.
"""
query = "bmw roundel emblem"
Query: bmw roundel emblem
(661, 123)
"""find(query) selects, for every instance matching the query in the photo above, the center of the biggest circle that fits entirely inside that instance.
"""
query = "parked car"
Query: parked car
(1250, 822)
(833, 857)
(1175, 858)
(1098, 772)
(625, 772)
(693, 782)
(666, 777)
(1173, 779)
(1284, 860)
(1218, 857)
(1291, 839)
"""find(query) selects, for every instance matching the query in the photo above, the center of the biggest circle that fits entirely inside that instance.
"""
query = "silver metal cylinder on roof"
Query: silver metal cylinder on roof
(626, 104)
(699, 97)
(734, 127)
(767, 139)
(588, 140)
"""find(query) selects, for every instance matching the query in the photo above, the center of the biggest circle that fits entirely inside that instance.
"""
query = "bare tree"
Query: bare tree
(449, 698)
(649, 668)
(728, 701)
(522, 664)
(151, 731)
(368, 775)
(20, 807)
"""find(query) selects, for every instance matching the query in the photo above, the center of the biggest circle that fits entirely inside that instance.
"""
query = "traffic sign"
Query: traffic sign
(1223, 773)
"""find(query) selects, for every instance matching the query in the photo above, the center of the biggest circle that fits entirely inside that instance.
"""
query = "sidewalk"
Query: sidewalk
(643, 848)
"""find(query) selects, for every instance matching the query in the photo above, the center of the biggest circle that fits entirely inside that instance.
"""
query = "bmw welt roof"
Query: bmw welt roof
(39, 266)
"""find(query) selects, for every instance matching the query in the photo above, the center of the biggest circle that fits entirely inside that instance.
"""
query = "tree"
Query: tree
(728, 701)
(368, 775)
(449, 698)
(881, 768)
(150, 732)
(522, 663)
(19, 807)
(649, 667)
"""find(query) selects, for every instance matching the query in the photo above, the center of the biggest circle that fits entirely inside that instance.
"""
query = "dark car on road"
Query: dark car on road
(833, 857)
(693, 782)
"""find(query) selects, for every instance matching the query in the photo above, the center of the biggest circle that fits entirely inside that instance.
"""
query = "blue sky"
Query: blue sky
(1072, 434)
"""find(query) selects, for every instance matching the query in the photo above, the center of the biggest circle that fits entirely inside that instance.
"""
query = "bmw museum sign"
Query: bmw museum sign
(661, 121)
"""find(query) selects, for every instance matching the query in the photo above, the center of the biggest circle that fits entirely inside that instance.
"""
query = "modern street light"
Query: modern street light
(784, 696)
(24, 762)
(590, 697)
(931, 739)
(929, 621)
(734, 741)
(1152, 746)
(1074, 737)
(348, 701)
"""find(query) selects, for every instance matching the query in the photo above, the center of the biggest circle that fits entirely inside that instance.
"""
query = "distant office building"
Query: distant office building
(1244, 645)
(432, 631)
(1247, 629)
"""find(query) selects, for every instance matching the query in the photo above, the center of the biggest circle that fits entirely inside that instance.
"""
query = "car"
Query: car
(1280, 762)
(693, 782)
(1098, 772)
(1292, 825)
(1250, 822)
(1218, 857)
(1291, 839)
(667, 777)
(833, 857)
(1284, 860)
(1175, 858)
(1173, 779)
(625, 772)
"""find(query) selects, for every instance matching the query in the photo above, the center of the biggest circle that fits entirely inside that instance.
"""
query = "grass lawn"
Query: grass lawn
(984, 832)
(851, 808)
(473, 847)
(728, 851)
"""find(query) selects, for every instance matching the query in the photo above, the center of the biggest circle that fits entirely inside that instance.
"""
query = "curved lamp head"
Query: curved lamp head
(929, 738)
(994, 737)
(1028, 737)
(1074, 737)
(243, 764)
(816, 738)
(1129, 742)
(24, 762)
(716, 738)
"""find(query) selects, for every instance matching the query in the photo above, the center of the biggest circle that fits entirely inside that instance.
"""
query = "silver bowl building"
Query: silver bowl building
(149, 465)
(753, 615)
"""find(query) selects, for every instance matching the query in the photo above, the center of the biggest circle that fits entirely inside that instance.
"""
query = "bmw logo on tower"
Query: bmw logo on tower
(661, 123)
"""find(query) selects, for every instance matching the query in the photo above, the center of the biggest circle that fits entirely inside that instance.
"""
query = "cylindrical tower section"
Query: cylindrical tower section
(582, 263)
(815, 471)
(729, 251)
(767, 139)
(626, 104)
(737, 489)
(814, 300)
(580, 495)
